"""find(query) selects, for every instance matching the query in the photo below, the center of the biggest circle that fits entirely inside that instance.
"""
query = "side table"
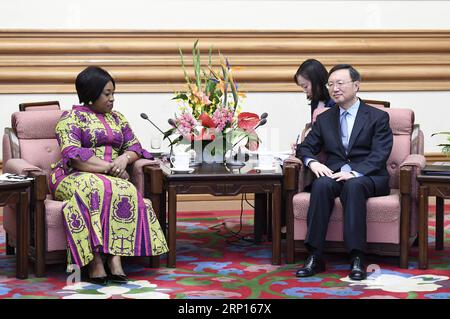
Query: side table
(17, 193)
(431, 185)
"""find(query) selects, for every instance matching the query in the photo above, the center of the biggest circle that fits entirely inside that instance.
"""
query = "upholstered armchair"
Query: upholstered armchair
(29, 148)
(391, 219)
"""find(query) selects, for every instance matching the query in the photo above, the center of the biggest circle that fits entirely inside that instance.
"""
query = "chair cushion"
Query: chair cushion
(383, 209)
(383, 218)
(40, 152)
(56, 236)
(37, 140)
(401, 120)
(35, 124)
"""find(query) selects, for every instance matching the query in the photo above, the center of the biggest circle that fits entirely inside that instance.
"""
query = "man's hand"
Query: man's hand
(319, 169)
(342, 176)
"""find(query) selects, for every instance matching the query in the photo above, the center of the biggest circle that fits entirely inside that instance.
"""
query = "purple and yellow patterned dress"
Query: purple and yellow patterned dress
(102, 213)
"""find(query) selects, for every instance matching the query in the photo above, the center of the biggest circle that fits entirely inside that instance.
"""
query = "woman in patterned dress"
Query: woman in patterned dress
(104, 214)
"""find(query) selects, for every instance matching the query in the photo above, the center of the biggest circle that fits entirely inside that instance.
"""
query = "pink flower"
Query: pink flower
(186, 123)
(200, 97)
(221, 118)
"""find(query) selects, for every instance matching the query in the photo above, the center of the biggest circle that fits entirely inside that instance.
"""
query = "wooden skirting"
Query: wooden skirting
(263, 61)
(437, 157)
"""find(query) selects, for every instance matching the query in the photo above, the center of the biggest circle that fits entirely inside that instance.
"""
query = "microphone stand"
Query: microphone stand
(145, 117)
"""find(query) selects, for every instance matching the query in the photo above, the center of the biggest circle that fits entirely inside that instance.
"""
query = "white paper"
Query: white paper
(14, 178)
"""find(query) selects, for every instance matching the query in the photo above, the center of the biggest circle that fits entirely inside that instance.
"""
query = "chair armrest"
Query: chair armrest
(409, 190)
(414, 163)
(417, 140)
(303, 175)
(20, 166)
(292, 160)
(291, 168)
(416, 160)
(137, 172)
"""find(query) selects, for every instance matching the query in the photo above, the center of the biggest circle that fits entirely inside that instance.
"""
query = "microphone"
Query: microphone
(145, 117)
(262, 121)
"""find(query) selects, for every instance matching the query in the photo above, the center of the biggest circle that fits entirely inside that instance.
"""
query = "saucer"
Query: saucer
(182, 170)
(267, 169)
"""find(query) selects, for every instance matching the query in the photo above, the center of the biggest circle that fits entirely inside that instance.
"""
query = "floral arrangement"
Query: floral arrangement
(446, 146)
(210, 107)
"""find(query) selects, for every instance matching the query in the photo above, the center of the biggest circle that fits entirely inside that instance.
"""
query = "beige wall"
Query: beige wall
(225, 14)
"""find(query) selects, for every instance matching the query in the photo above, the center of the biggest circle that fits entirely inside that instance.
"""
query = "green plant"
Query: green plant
(446, 146)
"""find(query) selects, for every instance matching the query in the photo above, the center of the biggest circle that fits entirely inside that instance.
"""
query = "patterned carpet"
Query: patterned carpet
(213, 264)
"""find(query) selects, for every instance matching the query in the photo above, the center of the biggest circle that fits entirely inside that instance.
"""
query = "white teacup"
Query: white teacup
(180, 160)
(265, 159)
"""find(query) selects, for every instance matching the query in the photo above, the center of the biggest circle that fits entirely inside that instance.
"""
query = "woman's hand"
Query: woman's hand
(118, 167)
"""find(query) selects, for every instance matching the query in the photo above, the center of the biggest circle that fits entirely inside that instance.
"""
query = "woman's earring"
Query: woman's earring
(90, 102)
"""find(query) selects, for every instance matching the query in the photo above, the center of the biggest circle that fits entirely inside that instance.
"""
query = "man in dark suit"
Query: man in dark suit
(357, 140)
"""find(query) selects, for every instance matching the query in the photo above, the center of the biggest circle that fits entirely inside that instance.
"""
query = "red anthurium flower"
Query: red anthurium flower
(247, 121)
(203, 136)
(206, 120)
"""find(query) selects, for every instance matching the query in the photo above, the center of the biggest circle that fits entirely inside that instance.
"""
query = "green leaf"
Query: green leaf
(210, 87)
(186, 77)
(225, 79)
(181, 96)
(196, 60)
(235, 95)
(177, 140)
(169, 132)
(440, 133)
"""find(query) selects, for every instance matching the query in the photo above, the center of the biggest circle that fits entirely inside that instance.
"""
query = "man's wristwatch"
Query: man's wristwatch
(353, 173)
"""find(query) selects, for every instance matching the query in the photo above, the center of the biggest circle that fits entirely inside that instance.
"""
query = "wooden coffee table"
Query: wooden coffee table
(217, 180)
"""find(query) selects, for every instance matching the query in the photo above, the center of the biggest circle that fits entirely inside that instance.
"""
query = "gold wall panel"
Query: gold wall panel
(264, 61)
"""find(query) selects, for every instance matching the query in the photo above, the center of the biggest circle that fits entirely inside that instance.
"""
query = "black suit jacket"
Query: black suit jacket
(369, 146)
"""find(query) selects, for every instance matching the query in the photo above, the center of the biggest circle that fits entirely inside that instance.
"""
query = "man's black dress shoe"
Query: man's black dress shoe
(312, 266)
(118, 279)
(357, 271)
(102, 281)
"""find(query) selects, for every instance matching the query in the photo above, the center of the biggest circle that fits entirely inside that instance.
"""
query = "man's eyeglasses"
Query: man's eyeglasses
(338, 84)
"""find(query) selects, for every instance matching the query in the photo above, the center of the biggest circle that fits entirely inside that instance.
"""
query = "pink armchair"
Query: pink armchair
(29, 148)
(391, 220)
